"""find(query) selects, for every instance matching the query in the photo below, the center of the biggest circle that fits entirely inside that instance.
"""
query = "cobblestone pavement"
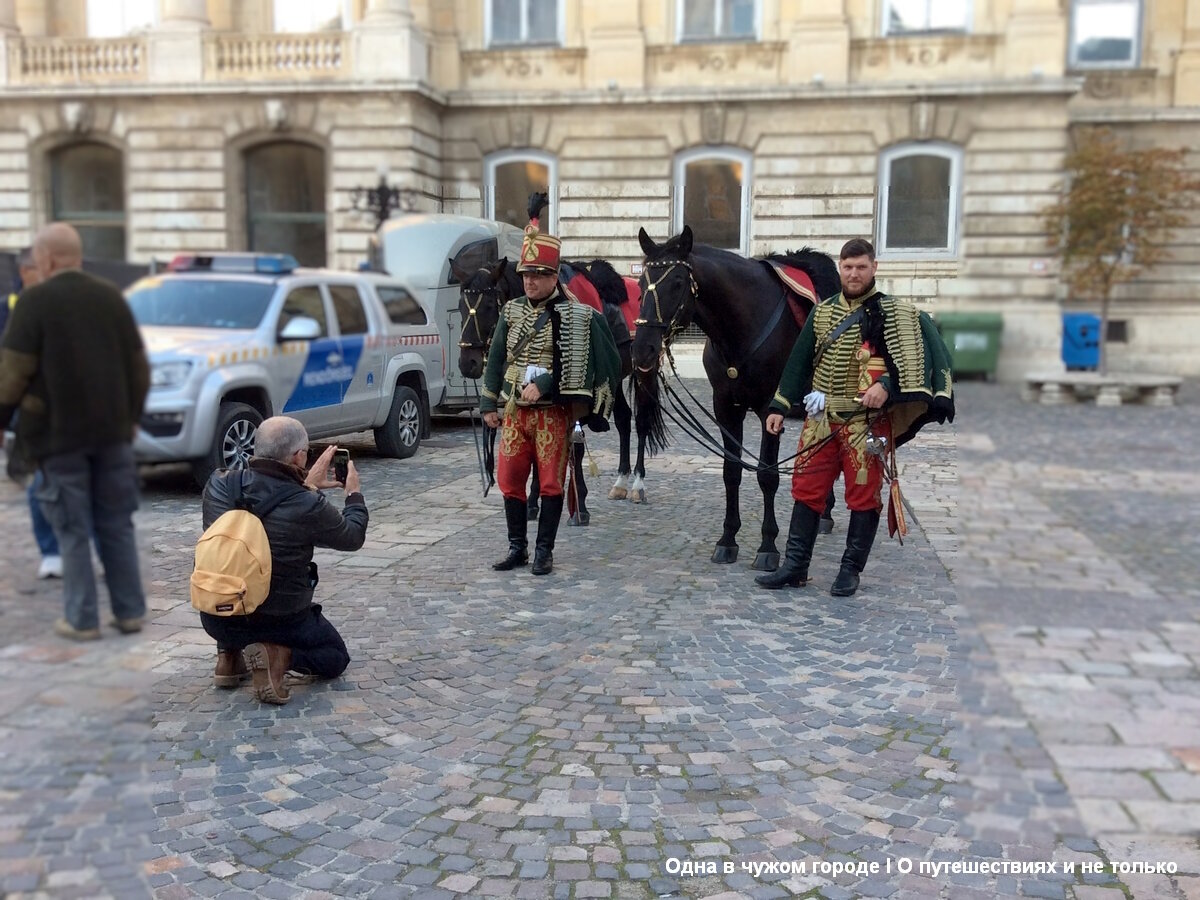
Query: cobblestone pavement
(1017, 683)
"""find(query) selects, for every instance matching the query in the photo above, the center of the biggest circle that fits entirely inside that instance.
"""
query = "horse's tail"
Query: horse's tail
(648, 414)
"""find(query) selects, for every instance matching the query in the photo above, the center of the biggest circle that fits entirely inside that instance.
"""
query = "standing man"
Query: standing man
(552, 361)
(43, 533)
(869, 370)
(286, 637)
(72, 360)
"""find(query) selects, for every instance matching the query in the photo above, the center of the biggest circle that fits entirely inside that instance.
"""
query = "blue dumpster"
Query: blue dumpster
(1081, 340)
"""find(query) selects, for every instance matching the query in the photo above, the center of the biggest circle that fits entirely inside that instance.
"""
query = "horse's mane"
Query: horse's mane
(605, 280)
(819, 266)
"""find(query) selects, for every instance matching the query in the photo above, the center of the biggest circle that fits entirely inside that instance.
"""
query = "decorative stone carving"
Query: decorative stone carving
(77, 117)
(276, 113)
(1118, 85)
(520, 125)
(525, 64)
(712, 123)
(923, 115)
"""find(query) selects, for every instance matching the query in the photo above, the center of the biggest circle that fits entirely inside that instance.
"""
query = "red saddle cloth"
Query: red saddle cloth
(579, 288)
(632, 306)
(800, 289)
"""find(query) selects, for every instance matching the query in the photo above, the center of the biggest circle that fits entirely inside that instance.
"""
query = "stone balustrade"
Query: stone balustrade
(72, 61)
(254, 57)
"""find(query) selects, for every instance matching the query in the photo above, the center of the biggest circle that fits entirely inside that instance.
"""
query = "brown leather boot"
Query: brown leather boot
(231, 669)
(268, 666)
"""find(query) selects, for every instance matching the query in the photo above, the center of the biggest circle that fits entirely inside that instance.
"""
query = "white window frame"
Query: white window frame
(495, 160)
(679, 184)
(488, 34)
(968, 23)
(345, 10)
(681, 38)
(107, 11)
(951, 152)
(1072, 44)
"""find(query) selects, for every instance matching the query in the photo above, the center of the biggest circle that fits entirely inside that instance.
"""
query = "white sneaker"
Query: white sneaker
(51, 567)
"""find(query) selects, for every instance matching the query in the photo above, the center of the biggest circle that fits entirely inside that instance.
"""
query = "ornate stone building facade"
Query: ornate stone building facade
(936, 127)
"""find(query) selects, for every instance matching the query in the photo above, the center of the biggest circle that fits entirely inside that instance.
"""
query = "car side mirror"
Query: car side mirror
(301, 328)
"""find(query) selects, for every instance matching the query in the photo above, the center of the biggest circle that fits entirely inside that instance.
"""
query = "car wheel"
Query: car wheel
(400, 435)
(233, 441)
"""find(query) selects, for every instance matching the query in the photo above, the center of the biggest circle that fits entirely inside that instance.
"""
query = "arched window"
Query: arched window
(285, 200)
(919, 190)
(712, 195)
(509, 179)
(87, 189)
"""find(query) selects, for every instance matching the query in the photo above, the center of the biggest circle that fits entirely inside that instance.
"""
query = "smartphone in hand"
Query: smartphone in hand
(341, 464)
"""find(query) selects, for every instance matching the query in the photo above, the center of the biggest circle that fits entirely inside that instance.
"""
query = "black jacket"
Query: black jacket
(301, 522)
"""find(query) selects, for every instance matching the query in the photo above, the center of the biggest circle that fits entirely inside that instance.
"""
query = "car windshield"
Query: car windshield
(200, 303)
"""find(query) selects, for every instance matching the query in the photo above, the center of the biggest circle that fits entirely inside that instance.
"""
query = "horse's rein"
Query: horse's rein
(673, 327)
(473, 317)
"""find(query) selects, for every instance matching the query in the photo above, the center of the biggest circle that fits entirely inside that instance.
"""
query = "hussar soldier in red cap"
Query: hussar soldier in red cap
(552, 361)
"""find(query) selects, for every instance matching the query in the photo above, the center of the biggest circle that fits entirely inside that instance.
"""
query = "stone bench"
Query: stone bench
(1056, 388)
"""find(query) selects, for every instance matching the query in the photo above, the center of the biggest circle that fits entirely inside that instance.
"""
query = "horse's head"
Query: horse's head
(481, 294)
(668, 297)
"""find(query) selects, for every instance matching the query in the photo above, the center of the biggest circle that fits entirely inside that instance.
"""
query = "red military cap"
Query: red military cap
(539, 252)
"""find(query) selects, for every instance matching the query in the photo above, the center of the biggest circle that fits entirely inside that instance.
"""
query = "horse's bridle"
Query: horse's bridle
(473, 317)
(679, 321)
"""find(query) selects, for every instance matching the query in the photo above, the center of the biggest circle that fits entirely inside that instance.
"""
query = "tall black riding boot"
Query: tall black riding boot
(543, 550)
(860, 535)
(518, 541)
(802, 534)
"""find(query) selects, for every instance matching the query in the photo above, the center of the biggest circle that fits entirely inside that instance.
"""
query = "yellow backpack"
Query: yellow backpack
(232, 575)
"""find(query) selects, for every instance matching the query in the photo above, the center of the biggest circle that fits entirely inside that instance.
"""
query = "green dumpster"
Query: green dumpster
(973, 339)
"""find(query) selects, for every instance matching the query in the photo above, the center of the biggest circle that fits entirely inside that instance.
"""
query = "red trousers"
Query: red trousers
(845, 451)
(533, 435)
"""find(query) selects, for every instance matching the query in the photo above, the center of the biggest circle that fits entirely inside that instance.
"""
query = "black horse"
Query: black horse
(752, 317)
(481, 296)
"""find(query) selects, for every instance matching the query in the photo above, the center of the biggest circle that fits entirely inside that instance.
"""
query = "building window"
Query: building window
(919, 189)
(1105, 33)
(509, 179)
(712, 195)
(921, 16)
(87, 189)
(117, 18)
(285, 200)
(708, 20)
(509, 22)
(312, 15)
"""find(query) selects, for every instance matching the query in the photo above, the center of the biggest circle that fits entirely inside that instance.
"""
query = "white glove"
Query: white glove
(814, 403)
(532, 372)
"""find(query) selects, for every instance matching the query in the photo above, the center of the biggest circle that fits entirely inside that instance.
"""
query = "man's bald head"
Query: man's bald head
(280, 438)
(57, 247)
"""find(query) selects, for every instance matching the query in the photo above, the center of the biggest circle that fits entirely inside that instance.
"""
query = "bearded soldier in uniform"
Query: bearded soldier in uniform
(553, 361)
(870, 371)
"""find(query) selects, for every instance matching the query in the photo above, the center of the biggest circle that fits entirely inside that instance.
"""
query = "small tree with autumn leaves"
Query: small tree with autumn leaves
(1115, 215)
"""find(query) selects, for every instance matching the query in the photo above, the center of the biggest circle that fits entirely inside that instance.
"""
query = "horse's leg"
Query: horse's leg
(767, 557)
(623, 416)
(732, 419)
(642, 421)
(535, 491)
(826, 525)
(582, 516)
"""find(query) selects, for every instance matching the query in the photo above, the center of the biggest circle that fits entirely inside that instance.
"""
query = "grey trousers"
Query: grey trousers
(95, 492)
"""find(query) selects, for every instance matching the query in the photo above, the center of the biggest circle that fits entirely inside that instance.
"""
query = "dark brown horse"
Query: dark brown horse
(482, 295)
(752, 317)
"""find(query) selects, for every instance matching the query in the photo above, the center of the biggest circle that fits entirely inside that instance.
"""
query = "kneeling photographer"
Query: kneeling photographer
(285, 639)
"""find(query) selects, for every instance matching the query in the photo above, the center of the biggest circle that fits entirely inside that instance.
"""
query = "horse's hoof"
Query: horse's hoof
(825, 526)
(638, 496)
(618, 494)
(766, 562)
(533, 514)
(580, 518)
(725, 555)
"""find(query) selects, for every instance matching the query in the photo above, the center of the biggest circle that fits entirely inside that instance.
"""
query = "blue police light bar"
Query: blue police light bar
(260, 263)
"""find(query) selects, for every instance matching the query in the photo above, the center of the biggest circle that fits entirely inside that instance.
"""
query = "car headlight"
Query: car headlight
(170, 374)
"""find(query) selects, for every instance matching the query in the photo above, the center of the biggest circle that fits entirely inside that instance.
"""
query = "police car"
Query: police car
(235, 338)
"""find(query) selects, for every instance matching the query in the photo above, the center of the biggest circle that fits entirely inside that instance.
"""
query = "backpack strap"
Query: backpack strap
(263, 507)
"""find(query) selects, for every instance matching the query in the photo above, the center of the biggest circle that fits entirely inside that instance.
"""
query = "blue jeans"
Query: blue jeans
(317, 648)
(93, 493)
(43, 532)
